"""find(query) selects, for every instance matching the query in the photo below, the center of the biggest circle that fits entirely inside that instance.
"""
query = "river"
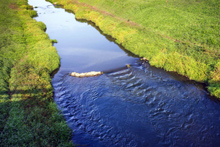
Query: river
(132, 106)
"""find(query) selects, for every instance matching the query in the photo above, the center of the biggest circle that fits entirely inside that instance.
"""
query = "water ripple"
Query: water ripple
(137, 106)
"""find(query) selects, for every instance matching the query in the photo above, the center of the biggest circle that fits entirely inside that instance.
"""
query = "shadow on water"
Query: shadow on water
(138, 105)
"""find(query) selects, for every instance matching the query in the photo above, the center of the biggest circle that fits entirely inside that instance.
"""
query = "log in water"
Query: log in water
(136, 105)
(86, 74)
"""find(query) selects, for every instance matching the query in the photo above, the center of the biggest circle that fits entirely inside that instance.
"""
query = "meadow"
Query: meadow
(29, 116)
(182, 36)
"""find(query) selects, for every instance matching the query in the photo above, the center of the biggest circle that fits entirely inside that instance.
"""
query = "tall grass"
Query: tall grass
(29, 117)
(177, 35)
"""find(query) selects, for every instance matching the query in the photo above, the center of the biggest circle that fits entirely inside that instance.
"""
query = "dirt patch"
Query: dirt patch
(13, 6)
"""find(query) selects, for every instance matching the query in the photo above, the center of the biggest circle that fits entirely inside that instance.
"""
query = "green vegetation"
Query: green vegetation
(177, 35)
(29, 117)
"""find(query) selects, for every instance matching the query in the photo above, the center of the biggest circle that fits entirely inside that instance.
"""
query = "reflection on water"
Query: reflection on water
(80, 46)
(136, 106)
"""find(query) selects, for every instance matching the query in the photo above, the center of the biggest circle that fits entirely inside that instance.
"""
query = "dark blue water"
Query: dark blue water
(136, 106)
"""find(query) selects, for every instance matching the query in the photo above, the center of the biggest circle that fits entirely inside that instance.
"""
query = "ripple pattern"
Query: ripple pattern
(137, 106)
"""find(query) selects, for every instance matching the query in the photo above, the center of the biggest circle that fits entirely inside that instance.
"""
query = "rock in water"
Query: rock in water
(86, 74)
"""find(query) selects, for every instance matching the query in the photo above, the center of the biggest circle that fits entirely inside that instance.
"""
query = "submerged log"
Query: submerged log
(86, 74)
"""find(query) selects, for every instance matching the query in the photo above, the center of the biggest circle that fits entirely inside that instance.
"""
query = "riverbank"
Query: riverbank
(29, 116)
(178, 36)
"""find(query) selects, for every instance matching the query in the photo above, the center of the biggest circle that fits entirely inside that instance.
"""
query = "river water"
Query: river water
(126, 106)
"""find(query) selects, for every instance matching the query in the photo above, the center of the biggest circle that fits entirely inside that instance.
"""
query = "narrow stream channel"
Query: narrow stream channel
(136, 106)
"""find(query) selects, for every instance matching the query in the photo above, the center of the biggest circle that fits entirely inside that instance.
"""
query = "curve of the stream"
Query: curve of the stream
(126, 106)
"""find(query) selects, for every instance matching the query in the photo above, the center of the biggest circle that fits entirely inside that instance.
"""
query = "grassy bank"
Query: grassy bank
(29, 117)
(177, 35)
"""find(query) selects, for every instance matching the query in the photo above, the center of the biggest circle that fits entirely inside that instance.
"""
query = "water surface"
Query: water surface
(136, 106)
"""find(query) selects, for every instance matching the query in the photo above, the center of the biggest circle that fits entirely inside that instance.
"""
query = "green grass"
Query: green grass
(29, 117)
(177, 35)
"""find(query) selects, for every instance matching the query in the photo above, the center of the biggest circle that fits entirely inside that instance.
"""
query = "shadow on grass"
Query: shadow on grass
(31, 118)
